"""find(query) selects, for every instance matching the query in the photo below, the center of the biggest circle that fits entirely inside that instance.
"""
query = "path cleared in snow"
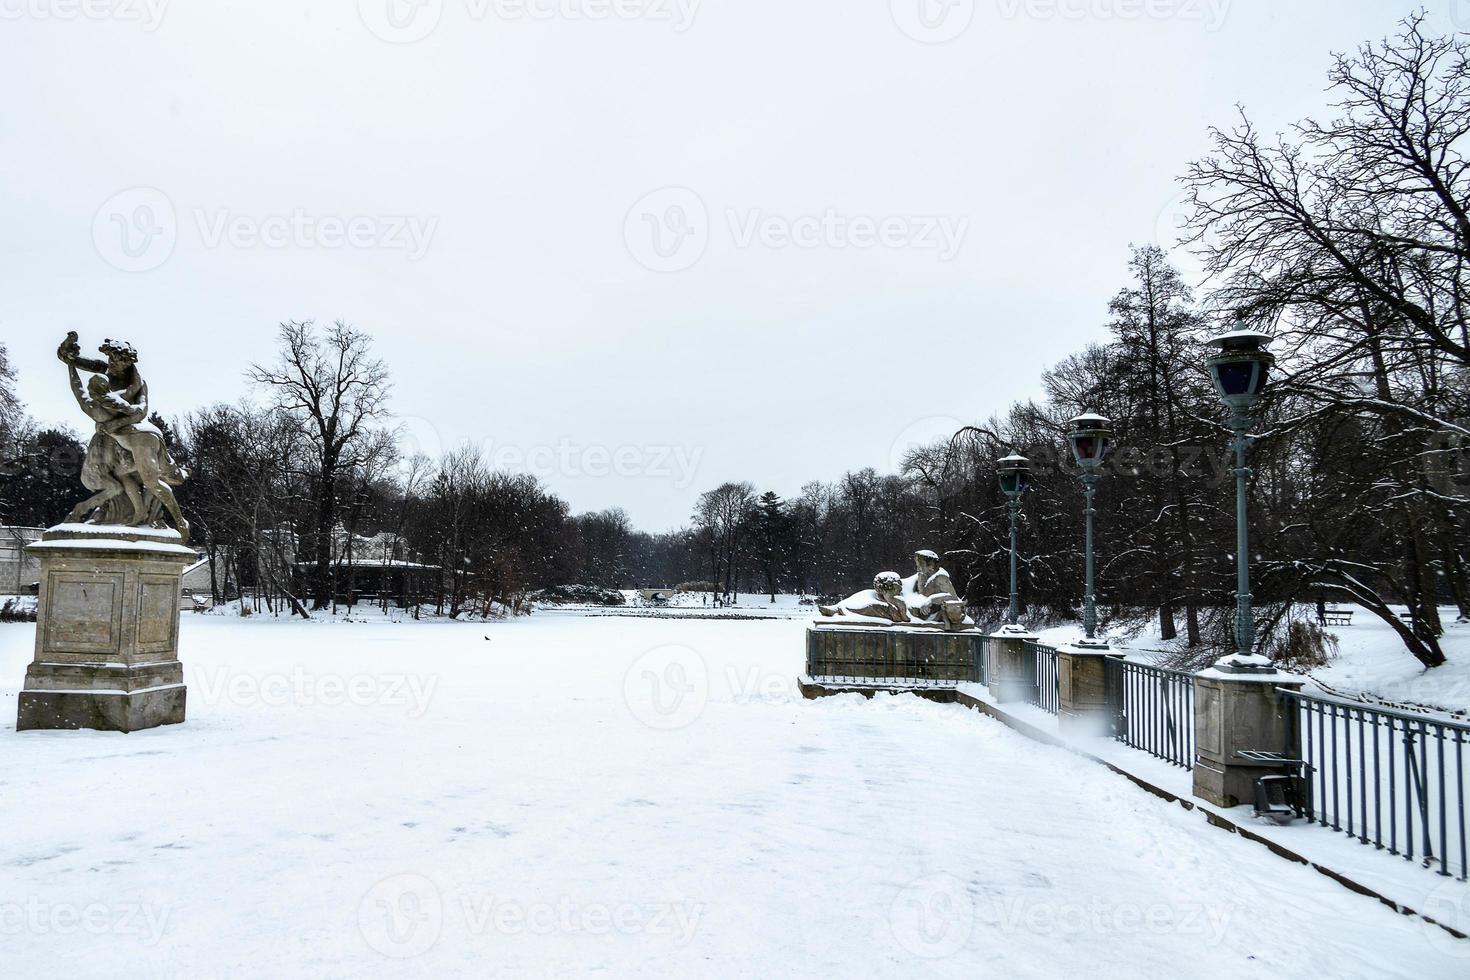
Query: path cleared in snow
(562, 796)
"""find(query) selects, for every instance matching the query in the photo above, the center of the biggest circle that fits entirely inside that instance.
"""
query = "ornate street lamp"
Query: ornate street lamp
(1240, 372)
(1091, 438)
(1014, 472)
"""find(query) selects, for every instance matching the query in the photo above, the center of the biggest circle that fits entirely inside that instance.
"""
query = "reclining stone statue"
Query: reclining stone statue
(882, 601)
(925, 599)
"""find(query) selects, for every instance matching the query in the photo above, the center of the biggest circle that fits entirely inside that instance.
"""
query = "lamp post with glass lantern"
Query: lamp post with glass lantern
(1006, 672)
(1090, 438)
(1014, 473)
(1240, 371)
(1242, 691)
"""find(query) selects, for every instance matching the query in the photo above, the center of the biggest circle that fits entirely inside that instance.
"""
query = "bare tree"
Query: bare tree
(1351, 237)
(331, 383)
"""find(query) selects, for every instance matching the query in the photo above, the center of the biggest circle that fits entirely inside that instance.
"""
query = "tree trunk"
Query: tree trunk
(321, 584)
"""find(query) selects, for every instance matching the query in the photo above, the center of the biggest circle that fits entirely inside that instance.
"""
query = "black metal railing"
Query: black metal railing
(1040, 672)
(1389, 778)
(1152, 709)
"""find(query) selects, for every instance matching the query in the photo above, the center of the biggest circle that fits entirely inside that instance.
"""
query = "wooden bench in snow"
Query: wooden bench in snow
(1337, 617)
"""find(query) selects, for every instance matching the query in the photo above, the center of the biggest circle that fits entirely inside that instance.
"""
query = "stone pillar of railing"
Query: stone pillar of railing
(1235, 713)
(1082, 698)
(1005, 666)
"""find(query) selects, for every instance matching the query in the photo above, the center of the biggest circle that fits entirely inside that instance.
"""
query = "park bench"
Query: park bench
(1337, 617)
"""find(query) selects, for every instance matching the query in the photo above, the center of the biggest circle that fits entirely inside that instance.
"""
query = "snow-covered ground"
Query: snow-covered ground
(1373, 661)
(564, 795)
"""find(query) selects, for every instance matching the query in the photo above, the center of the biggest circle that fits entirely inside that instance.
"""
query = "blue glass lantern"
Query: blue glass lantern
(1243, 366)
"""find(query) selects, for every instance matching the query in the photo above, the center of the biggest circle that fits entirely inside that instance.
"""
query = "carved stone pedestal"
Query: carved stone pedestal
(1082, 697)
(1005, 666)
(107, 630)
(1234, 713)
(893, 655)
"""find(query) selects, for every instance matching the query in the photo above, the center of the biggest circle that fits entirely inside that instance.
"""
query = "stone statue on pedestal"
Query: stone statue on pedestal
(107, 624)
(926, 598)
(903, 633)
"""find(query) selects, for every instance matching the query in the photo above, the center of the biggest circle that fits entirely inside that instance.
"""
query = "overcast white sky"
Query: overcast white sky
(186, 174)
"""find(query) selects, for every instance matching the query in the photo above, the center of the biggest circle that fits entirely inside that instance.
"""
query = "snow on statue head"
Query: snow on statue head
(888, 584)
(926, 561)
(119, 350)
